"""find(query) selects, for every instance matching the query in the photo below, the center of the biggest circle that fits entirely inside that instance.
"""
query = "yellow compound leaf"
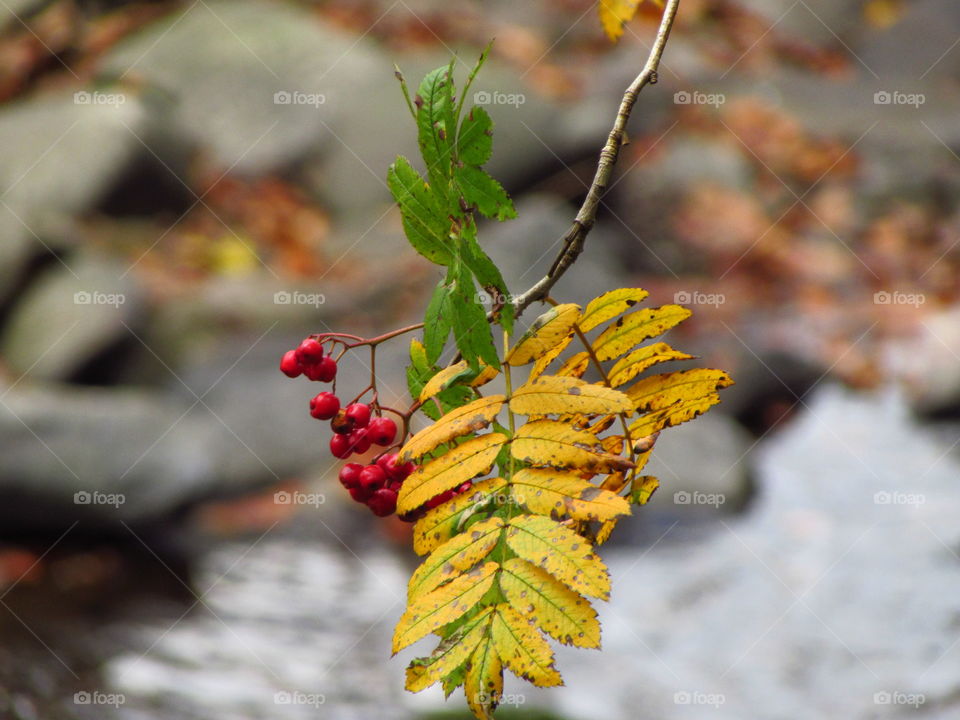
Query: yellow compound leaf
(483, 684)
(547, 442)
(440, 523)
(629, 366)
(556, 609)
(454, 557)
(550, 394)
(561, 552)
(522, 648)
(547, 330)
(556, 493)
(473, 416)
(609, 305)
(575, 365)
(605, 531)
(674, 398)
(442, 606)
(548, 357)
(465, 461)
(449, 654)
(631, 330)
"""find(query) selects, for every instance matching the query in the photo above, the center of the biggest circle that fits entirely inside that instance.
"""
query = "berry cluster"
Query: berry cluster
(356, 428)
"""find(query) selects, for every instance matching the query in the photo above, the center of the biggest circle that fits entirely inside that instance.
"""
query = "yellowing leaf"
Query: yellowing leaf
(547, 330)
(615, 13)
(642, 488)
(547, 442)
(450, 375)
(631, 330)
(467, 419)
(556, 493)
(522, 648)
(629, 366)
(444, 379)
(609, 305)
(450, 654)
(470, 458)
(440, 524)
(483, 684)
(561, 552)
(441, 607)
(674, 398)
(575, 365)
(550, 394)
(548, 357)
(455, 556)
(556, 609)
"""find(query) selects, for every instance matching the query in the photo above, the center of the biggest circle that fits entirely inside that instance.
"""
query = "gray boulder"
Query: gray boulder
(68, 315)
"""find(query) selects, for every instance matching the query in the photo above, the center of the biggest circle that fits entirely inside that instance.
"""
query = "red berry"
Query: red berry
(360, 494)
(289, 365)
(383, 502)
(395, 485)
(359, 440)
(439, 499)
(350, 475)
(324, 406)
(404, 471)
(382, 431)
(309, 352)
(341, 424)
(340, 446)
(465, 487)
(359, 413)
(326, 369)
(387, 462)
(372, 478)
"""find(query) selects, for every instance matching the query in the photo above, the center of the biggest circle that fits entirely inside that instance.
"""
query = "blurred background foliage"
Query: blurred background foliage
(793, 176)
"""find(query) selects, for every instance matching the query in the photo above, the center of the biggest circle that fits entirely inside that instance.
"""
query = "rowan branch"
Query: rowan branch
(573, 240)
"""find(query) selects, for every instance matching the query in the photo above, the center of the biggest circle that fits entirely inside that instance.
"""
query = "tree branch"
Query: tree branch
(575, 237)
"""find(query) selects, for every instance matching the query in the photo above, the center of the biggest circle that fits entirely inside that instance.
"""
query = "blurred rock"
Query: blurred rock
(703, 467)
(160, 452)
(72, 312)
(62, 151)
(254, 83)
